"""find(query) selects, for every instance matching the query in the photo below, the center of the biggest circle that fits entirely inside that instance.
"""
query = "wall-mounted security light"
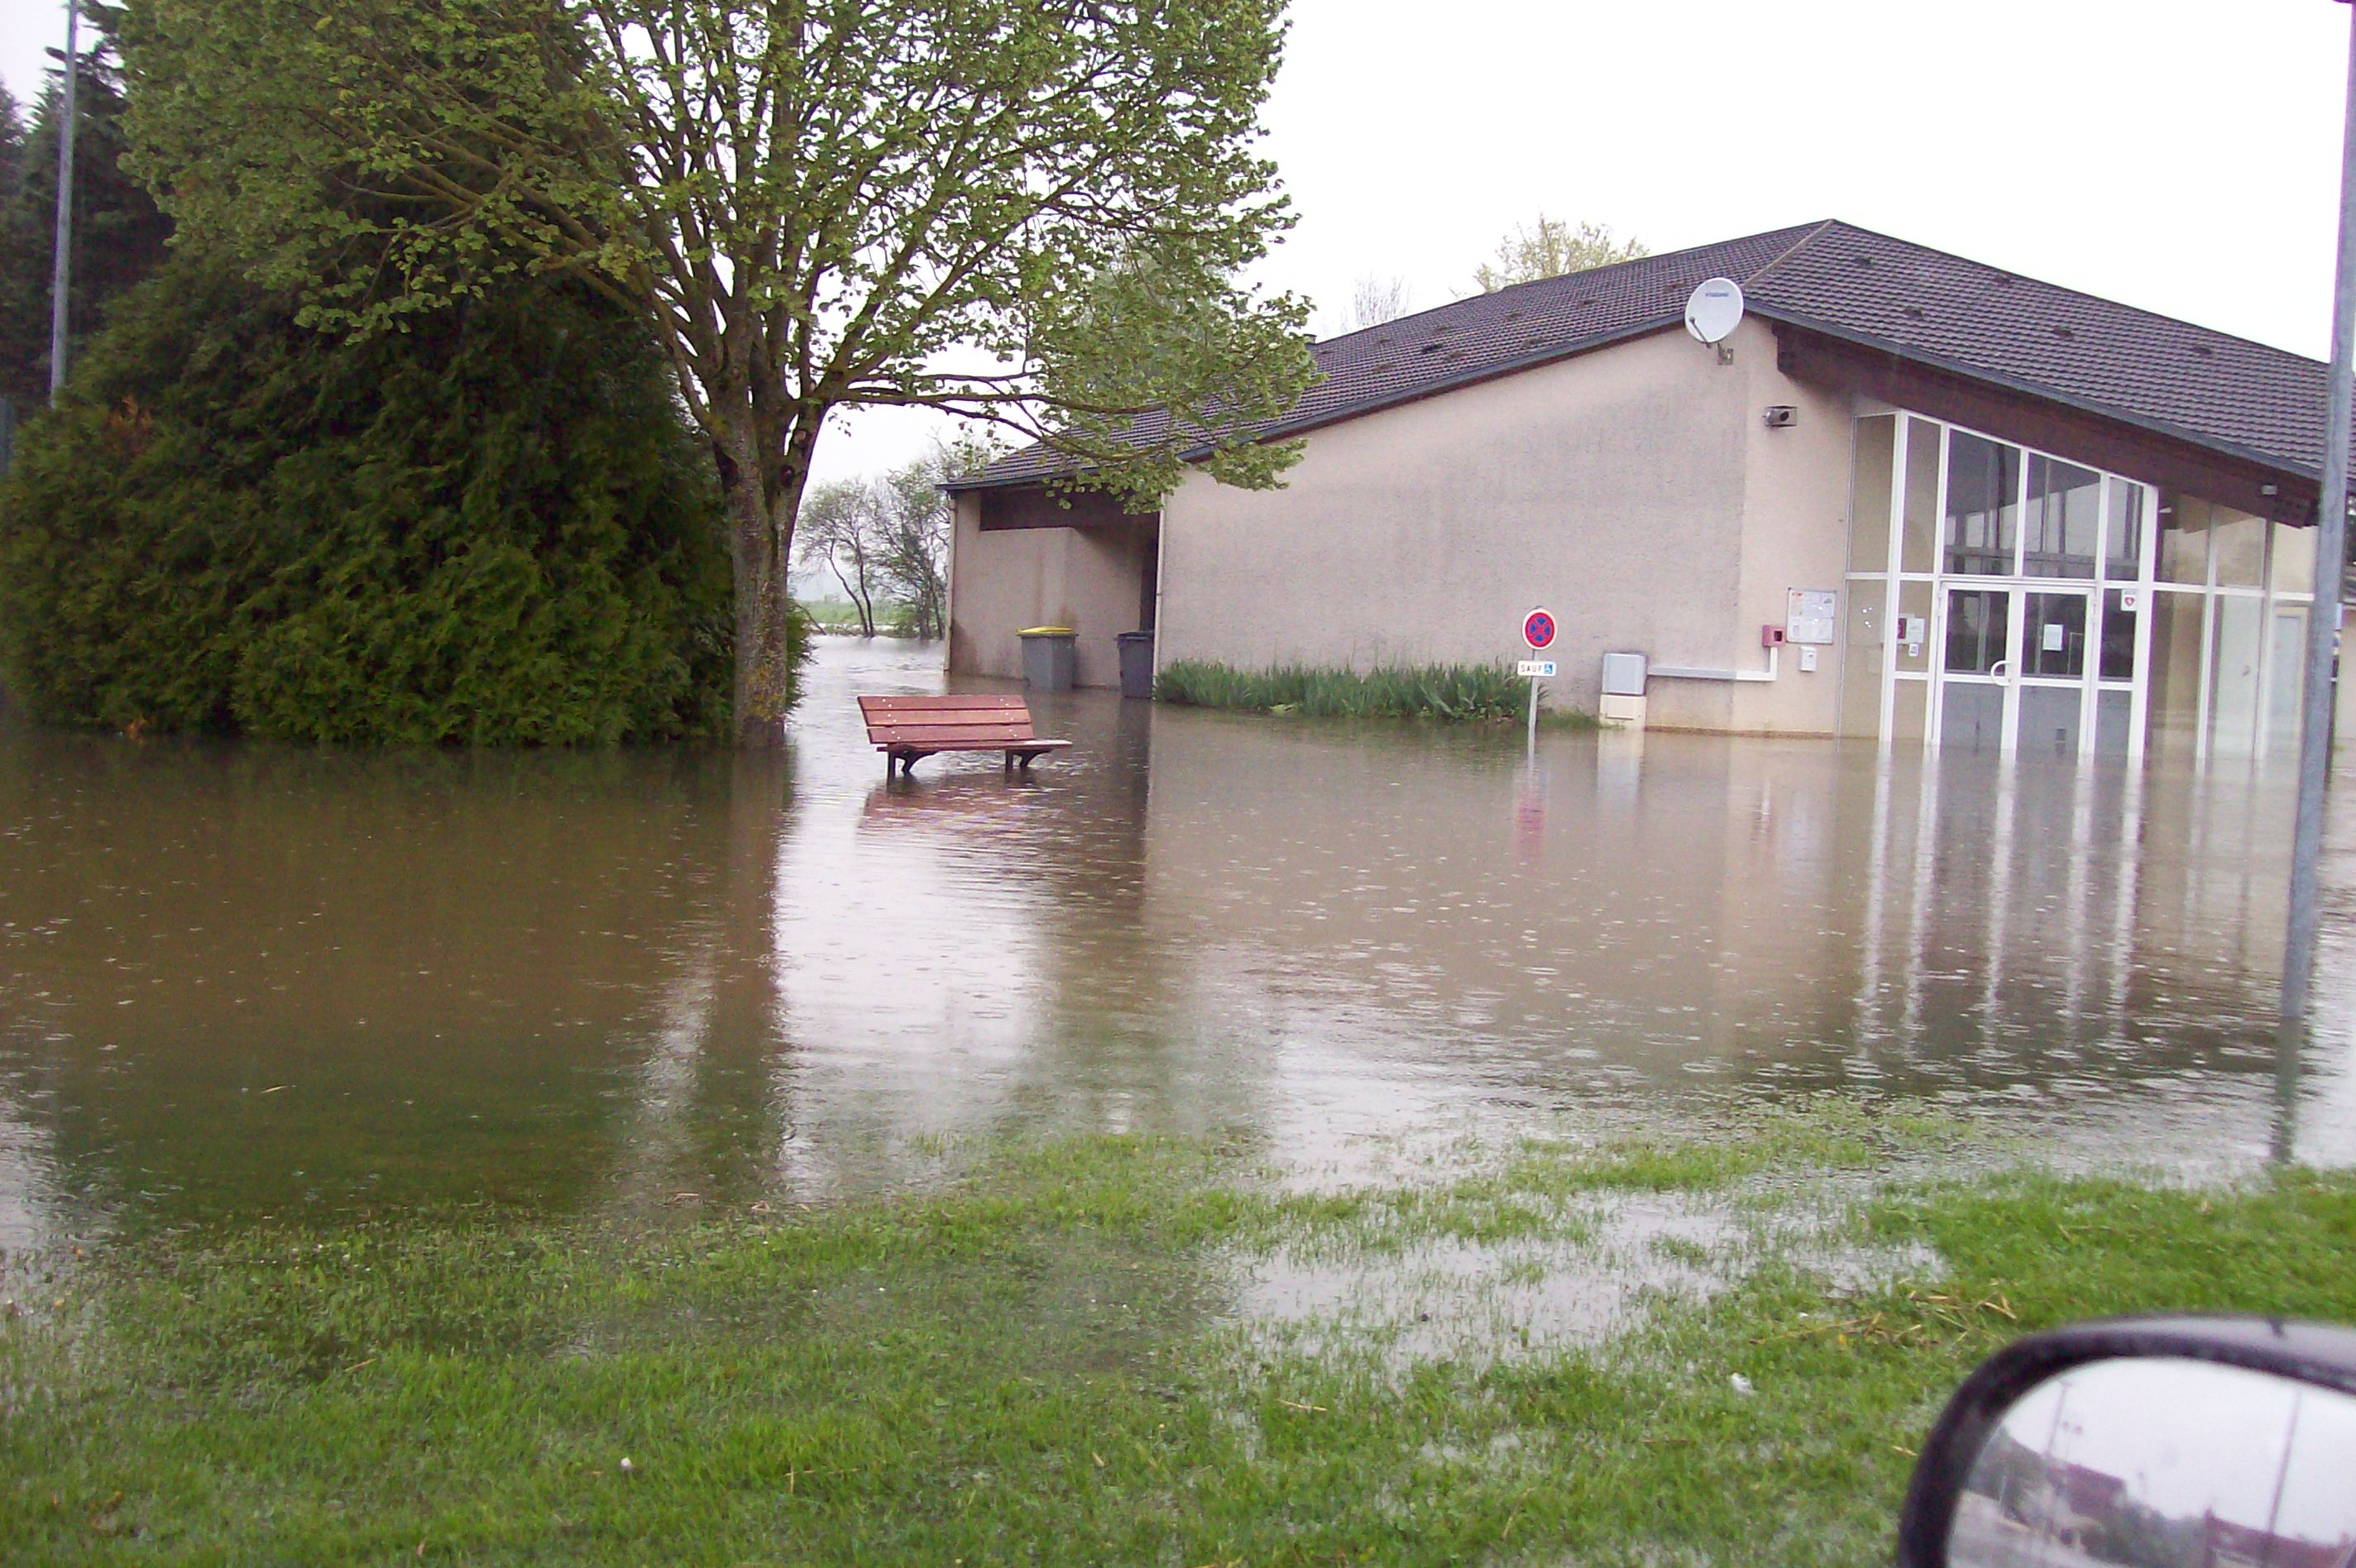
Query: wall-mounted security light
(2269, 489)
(1781, 416)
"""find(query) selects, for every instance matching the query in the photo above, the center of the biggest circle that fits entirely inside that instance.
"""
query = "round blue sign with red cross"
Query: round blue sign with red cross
(1538, 630)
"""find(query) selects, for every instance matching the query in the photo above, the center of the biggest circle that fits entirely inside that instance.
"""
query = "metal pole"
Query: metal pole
(2330, 563)
(61, 275)
(1534, 715)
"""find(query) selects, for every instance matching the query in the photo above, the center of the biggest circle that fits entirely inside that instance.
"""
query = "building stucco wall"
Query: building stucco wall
(1613, 488)
(1002, 580)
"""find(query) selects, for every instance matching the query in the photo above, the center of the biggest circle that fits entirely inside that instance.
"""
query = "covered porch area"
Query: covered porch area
(1030, 556)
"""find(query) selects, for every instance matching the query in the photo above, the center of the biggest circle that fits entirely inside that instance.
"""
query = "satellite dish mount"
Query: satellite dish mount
(1713, 312)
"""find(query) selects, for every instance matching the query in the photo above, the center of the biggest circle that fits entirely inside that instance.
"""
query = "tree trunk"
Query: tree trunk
(864, 594)
(761, 479)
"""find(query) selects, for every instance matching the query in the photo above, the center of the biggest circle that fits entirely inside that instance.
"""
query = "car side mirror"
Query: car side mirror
(2146, 1443)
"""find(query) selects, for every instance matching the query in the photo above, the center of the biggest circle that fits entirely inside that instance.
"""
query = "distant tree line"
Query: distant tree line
(885, 542)
(1552, 248)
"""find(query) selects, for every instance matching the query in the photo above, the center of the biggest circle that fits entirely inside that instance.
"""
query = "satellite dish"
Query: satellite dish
(1715, 310)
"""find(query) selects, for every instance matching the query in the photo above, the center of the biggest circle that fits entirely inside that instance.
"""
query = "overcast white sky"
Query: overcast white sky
(2176, 155)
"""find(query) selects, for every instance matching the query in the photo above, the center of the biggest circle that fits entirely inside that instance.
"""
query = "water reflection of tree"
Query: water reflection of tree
(706, 1117)
(275, 978)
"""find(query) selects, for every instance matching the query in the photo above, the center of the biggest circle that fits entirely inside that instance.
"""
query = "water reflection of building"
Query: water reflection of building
(1774, 914)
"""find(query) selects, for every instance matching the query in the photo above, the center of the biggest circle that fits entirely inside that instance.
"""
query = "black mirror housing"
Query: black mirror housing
(2316, 1355)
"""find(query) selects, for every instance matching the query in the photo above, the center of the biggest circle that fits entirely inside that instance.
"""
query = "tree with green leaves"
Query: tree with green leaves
(494, 528)
(841, 529)
(1551, 249)
(1032, 213)
(917, 519)
(12, 144)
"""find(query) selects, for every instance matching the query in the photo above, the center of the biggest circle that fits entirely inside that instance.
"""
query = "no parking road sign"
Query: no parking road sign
(1538, 630)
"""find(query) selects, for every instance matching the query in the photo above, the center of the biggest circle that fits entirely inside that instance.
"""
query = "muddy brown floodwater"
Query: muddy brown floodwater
(243, 980)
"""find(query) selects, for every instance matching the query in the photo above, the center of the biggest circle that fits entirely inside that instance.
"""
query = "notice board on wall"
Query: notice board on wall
(1811, 616)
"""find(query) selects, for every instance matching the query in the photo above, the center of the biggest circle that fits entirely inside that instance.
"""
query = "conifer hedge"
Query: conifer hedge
(491, 529)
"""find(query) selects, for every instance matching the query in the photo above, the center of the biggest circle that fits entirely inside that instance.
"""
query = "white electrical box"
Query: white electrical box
(1624, 675)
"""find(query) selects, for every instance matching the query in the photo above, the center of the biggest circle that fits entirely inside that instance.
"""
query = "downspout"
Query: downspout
(1161, 583)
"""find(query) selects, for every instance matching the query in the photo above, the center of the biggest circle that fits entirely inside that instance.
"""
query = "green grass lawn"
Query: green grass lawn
(1052, 1360)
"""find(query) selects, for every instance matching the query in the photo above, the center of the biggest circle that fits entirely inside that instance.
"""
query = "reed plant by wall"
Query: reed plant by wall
(1460, 692)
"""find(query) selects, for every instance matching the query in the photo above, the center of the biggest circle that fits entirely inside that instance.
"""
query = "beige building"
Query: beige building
(1906, 495)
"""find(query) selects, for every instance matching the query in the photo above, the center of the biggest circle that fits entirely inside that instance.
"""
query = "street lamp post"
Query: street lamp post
(61, 273)
(2330, 564)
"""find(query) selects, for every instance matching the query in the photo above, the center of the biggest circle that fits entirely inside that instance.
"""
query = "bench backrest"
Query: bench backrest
(982, 720)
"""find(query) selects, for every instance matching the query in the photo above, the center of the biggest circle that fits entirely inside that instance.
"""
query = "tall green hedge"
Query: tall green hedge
(494, 528)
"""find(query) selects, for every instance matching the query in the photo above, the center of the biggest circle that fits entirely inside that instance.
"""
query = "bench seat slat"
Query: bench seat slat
(969, 717)
(938, 739)
(939, 704)
(927, 748)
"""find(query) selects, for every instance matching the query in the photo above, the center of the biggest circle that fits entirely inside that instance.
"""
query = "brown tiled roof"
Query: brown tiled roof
(2206, 388)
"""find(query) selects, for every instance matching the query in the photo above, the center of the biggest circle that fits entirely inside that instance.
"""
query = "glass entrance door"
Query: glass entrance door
(2014, 669)
(1976, 675)
(2049, 705)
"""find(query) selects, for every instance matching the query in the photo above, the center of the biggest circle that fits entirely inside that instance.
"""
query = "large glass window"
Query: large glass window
(1978, 623)
(1915, 628)
(2063, 521)
(2233, 674)
(1919, 513)
(1861, 659)
(1869, 501)
(2293, 560)
(2241, 549)
(2286, 680)
(1983, 511)
(1909, 714)
(2184, 541)
(2054, 637)
(2172, 710)
(2118, 634)
(2123, 554)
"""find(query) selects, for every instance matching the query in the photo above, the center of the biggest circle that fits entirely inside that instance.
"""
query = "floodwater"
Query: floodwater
(244, 980)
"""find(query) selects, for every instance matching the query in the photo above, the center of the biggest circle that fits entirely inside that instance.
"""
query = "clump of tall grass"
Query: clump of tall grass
(1422, 691)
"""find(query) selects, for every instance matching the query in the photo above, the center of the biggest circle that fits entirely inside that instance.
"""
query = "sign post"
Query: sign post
(2323, 616)
(1537, 632)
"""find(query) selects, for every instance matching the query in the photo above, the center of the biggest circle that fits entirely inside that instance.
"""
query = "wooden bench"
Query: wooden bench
(907, 730)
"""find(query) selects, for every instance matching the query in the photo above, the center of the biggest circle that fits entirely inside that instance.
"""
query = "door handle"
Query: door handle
(2000, 670)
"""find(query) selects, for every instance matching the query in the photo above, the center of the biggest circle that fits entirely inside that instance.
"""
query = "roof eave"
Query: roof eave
(2269, 461)
(1286, 429)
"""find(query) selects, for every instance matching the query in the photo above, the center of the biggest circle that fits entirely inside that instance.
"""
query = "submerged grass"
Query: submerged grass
(1042, 1364)
(1456, 692)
